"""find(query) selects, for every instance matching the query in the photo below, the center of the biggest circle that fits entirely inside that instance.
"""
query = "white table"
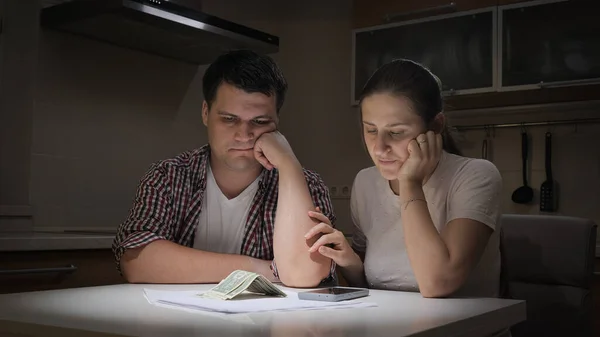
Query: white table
(122, 310)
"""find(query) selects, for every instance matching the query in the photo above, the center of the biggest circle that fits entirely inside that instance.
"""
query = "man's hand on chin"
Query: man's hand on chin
(272, 150)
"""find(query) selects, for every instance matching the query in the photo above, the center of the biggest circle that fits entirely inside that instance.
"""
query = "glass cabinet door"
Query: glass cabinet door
(459, 48)
(546, 43)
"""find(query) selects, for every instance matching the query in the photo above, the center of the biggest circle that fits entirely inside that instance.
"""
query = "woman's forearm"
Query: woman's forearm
(355, 275)
(427, 251)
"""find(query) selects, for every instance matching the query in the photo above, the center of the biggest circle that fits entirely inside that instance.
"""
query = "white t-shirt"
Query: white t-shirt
(460, 187)
(222, 221)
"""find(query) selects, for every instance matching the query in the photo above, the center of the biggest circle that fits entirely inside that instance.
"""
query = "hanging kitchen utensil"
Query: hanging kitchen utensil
(484, 144)
(484, 152)
(548, 190)
(523, 194)
(487, 148)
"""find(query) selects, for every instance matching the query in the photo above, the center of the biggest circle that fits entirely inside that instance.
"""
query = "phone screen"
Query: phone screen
(334, 291)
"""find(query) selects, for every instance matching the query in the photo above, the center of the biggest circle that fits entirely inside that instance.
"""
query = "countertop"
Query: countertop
(123, 310)
(55, 240)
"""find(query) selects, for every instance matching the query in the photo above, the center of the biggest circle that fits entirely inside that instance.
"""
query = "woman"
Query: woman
(426, 218)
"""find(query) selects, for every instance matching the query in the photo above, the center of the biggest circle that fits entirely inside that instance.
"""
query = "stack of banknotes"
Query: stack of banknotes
(239, 281)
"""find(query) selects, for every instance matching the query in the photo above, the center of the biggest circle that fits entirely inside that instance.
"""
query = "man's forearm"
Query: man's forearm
(296, 265)
(163, 261)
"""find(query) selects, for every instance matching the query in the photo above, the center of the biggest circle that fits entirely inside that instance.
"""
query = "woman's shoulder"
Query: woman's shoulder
(469, 169)
(367, 174)
(367, 180)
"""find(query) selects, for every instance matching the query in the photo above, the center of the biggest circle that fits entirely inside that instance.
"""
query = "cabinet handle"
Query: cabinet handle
(558, 84)
(397, 16)
(67, 270)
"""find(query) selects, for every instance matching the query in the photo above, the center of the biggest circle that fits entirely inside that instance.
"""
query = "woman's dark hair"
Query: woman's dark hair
(410, 79)
(248, 71)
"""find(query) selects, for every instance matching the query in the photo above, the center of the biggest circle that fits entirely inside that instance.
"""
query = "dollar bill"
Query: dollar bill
(240, 281)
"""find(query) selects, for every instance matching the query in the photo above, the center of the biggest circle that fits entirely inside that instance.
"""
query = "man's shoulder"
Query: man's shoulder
(186, 160)
(312, 176)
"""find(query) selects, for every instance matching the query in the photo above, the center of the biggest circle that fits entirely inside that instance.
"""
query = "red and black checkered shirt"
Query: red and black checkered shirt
(169, 201)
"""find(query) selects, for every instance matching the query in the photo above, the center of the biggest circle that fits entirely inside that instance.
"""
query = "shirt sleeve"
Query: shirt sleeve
(475, 193)
(150, 218)
(321, 198)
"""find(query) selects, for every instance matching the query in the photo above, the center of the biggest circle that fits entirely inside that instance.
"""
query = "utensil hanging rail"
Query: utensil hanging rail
(524, 124)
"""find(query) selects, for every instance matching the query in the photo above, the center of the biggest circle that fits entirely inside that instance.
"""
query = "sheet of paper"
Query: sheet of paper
(245, 303)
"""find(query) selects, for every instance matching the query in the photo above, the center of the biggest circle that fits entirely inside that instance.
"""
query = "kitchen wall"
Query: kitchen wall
(103, 114)
(18, 58)
(575, 154)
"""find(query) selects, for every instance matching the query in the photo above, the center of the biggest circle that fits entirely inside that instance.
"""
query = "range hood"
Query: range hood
(161, 27)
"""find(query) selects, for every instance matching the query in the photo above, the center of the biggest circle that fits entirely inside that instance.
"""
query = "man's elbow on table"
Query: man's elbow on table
(299, 276)
(438, 286)
(130, 266)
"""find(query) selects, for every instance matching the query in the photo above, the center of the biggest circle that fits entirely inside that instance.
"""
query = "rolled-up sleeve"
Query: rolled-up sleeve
(321, 198)
(150, 218)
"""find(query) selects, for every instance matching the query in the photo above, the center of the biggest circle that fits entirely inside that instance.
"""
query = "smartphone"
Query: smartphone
(333, 294)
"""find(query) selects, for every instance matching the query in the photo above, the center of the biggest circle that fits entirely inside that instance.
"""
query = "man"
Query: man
(239, 202)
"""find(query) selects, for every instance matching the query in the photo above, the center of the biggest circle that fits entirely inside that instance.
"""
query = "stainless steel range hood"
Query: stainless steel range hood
(160, 27)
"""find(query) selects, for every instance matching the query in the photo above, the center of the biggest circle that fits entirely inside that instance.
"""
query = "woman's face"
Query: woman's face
(389, 123)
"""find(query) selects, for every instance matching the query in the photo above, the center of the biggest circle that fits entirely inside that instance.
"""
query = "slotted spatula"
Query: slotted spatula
(548, 190)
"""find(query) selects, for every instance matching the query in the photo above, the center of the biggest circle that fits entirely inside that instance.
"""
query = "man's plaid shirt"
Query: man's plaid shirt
(169, 201)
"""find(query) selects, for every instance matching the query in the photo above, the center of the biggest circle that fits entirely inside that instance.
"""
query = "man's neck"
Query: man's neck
(231, 182)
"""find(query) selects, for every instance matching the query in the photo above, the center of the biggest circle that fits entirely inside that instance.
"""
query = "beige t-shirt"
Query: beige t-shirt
(460, 187)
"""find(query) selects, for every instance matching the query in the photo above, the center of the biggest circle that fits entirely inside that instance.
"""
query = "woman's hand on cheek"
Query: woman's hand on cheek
(424, 153)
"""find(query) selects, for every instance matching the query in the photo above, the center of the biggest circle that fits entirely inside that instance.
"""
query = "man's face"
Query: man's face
(235, 120)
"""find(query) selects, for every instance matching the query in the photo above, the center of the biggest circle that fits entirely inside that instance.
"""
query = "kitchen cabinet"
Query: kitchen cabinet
(512, 53)
(547, 51)
(549, 44)
(523, 97)
(510, 2)
(45, 270)
(459, 48)
(376, 12)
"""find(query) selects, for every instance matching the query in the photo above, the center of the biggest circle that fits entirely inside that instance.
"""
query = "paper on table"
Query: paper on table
(245, 303)
(237, 318)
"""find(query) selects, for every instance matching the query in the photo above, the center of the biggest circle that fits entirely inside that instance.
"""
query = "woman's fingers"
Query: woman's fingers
(424, 144)
(326, 239)
(321, 228)
(319, 217)
(331, 253)
(414, 150)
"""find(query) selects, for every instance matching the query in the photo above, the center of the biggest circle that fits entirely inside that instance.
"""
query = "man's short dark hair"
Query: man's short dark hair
(247, 71)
